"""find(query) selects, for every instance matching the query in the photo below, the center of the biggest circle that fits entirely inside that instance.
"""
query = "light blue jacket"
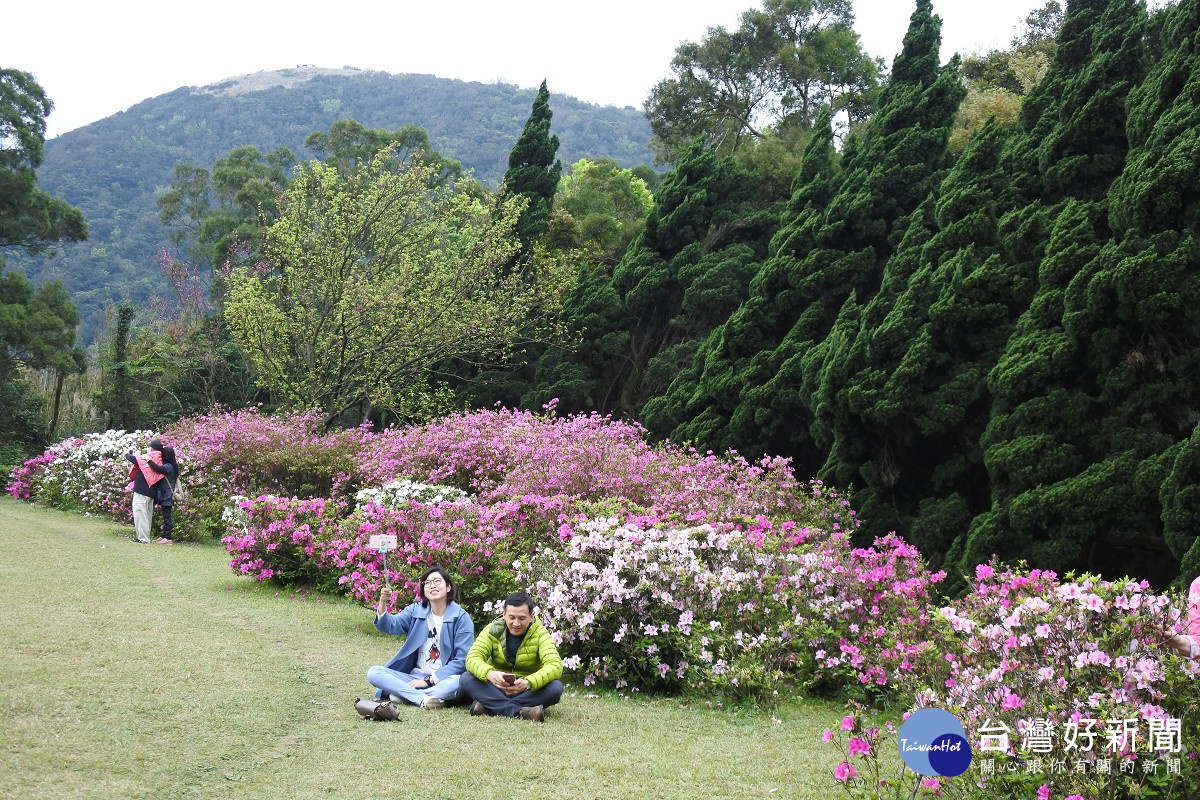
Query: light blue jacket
(458, 632)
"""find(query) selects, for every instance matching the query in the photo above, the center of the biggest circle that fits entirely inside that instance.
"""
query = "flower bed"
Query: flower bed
(658, 568)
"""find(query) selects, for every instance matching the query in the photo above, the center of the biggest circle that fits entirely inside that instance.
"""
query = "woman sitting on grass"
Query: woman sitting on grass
(427, 669)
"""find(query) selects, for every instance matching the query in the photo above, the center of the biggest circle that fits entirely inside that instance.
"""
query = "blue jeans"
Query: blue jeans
(497, 702)
(394, 682)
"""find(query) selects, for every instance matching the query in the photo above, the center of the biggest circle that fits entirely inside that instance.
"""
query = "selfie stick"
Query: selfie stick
(382, 543)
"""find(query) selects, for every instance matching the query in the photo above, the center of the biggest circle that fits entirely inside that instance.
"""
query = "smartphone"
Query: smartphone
(508, 678)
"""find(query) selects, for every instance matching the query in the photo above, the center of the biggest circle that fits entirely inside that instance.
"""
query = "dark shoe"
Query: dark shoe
(477, 709)
(535, 713)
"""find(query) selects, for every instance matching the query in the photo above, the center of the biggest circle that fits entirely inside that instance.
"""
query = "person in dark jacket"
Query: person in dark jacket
(164, 492)
(145, 474)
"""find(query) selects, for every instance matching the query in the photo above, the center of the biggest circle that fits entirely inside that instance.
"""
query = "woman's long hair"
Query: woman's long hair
(168, 457)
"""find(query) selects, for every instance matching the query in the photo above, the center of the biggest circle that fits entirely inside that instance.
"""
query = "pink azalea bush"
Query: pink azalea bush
(1027, 659)
(283, 539)
(1025, 646)
(753, 611)
(499, 455)
(464, 536)
(24, 478)
(326, 545)
(87, 472)
(869, 770)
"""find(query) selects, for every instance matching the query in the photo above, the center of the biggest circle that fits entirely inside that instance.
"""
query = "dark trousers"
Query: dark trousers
(168, 524)
(497, 702)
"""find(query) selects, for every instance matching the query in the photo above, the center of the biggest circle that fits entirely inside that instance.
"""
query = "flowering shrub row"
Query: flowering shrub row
(754, 611)
(88, 472)
(1039, 668)
(661, 568)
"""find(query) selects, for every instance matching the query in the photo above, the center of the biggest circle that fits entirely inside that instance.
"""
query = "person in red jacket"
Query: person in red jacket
(145, 473)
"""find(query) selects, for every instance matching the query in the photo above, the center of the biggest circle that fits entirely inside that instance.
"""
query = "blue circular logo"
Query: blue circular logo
(933, 742)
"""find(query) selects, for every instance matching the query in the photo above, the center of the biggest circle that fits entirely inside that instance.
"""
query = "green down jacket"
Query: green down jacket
(538, 660)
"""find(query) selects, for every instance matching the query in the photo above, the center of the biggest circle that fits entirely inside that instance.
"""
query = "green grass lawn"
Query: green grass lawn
(147, 671)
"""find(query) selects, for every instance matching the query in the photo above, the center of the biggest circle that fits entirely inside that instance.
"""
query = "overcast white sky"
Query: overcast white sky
(96, 59)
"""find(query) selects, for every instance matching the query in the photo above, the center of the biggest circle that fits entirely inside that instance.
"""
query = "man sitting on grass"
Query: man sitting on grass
(513, 667)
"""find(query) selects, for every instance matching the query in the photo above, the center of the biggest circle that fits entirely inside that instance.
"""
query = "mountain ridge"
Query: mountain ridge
(113, 168)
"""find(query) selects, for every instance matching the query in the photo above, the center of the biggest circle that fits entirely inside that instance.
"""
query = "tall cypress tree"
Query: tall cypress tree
(689, 269)
(689, 412)
(534, 170)
(772, 355)
(1044, 448)
(117, 398)
(684, 273)
(584, 377)
(905, 414)
(1134, 316)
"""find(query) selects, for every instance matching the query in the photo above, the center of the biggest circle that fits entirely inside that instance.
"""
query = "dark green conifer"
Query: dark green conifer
(1047, 458)
(690, 268)
(583, 374)
(534, 170)
(688, 411)
(769, 356)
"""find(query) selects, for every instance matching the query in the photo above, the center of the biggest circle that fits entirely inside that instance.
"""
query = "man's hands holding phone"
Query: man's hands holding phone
(507, 682)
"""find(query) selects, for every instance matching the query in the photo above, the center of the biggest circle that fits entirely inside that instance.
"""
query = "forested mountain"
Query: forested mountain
(113, 168)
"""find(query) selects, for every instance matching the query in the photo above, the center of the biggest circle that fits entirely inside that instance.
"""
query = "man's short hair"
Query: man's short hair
(517, 599)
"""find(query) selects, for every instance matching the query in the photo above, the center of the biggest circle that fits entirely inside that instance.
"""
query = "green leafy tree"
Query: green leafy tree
(998, 82)
(599, 209)
(607, 205)
(184, 357)
(37, 332)
(117, 398)
(37, 326)
(369, 282)
(1036, 41)
(30, 219)
(348, 145)
(216, 217)
(533, 172)
(776, 71)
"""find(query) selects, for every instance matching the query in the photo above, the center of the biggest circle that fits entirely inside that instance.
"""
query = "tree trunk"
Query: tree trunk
(59, 378)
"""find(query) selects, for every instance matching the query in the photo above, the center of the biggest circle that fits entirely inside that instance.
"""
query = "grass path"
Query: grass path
(146, 671)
